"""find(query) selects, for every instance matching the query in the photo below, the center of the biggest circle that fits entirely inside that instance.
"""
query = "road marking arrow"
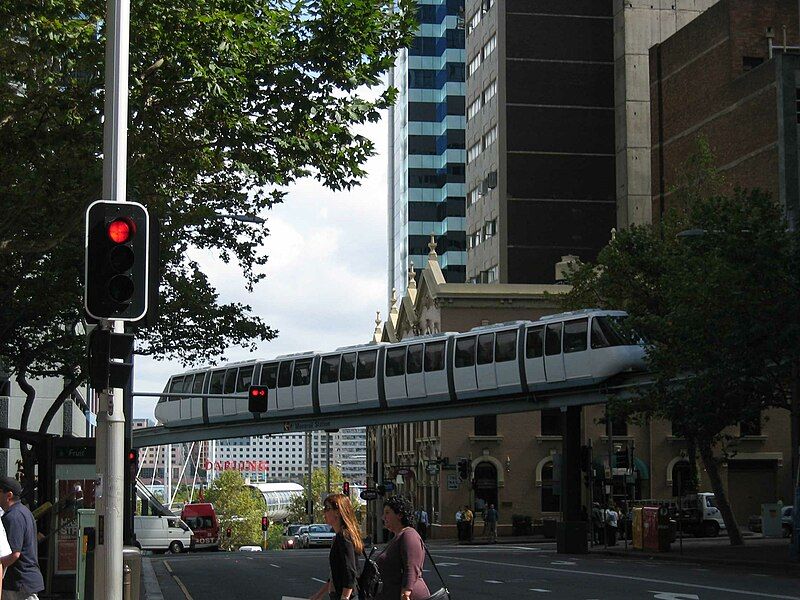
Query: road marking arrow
(673, 596)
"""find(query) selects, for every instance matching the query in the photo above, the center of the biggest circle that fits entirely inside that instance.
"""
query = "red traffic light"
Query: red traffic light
(121, 230)
(132, 455)
(257, 391)
(257, 398)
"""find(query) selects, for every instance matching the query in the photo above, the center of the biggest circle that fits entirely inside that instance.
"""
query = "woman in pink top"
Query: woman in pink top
(401, 562)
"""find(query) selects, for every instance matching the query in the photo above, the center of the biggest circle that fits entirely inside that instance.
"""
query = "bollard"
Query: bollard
(126, 582)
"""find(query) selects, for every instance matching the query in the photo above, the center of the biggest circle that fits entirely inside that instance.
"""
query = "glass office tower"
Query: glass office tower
(426, 147)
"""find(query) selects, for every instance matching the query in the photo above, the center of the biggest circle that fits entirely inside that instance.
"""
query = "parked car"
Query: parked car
(320, 535)
(162, 534)
(202, 519)
(302, 536)
(786, 520)
(291, 538)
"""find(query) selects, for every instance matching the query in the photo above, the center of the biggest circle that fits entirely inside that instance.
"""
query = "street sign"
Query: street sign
(452, 482)
(369, 494)
(433, 469)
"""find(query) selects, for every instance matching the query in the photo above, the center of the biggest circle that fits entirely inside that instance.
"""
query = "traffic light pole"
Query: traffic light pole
(111, 418)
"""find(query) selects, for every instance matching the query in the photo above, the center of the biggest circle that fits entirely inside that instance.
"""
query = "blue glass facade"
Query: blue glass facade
(427, 146)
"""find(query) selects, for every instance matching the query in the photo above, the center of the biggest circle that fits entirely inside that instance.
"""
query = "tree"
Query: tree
(237, 508)
(714, 291)
(231, 101)
(297, 507)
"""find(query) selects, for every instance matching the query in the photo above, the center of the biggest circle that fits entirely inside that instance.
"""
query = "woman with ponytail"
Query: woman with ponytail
(347, 545)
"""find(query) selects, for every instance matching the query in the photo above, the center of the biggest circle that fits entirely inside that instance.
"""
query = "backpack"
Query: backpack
(370, 583)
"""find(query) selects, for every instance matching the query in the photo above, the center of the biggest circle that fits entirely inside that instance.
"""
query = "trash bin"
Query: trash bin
(771, 525)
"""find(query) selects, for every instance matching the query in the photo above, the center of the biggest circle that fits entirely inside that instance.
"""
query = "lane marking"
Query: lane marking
(563, 562)
(167, 567)
(320, 580)
(183, 588)
(448, 564)
(539, 590)
(629, 577)
(451, 575)
(274, 565)
(491, 581)
(673, 596)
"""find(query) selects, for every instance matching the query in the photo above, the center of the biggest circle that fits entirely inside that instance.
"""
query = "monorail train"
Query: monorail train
(566, 350)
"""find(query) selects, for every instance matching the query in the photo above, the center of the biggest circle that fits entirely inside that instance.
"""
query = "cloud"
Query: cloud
(325, 278)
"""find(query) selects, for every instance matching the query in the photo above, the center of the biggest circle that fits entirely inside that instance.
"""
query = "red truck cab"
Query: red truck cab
(202, 519)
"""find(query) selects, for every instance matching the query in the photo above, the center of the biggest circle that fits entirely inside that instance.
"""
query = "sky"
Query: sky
(325, 278)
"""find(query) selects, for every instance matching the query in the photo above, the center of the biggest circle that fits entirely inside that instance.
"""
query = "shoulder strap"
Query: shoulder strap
(435, 568)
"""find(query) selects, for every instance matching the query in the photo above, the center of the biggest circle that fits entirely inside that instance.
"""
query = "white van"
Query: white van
(159, 534)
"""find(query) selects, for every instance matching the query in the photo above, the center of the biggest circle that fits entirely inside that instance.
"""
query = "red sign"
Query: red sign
(251, 466)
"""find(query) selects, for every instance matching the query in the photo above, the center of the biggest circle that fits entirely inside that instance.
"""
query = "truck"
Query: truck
(697, 514)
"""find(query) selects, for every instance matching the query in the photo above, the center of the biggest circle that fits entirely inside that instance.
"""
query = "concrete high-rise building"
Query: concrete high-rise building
(558, 143)
(426, 193)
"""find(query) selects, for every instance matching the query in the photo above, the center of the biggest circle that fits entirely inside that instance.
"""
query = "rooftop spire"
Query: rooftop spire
(432, 245)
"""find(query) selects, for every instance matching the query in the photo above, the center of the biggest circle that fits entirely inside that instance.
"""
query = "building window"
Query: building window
(489, 91)
(551, 421)
(550, 502)
(486, 5)
(749, 427)
(473, 108)
(473, 22)
(473, 196)
(489, 47)
(473, 65)
(751, 62)
(490, 229)
(486, 425)
(473, 152)
(490, 137)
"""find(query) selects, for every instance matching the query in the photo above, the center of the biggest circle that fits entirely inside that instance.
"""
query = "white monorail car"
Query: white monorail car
(566, 350)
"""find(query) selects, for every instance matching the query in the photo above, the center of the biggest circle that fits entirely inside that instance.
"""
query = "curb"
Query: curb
(787, 568)
(152, 591)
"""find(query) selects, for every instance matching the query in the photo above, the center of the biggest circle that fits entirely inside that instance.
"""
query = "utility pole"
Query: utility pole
(309, 464)
(328, 463)
(111, 419)
(379, 481)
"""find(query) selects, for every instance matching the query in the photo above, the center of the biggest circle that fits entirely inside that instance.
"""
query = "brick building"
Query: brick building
(731, 76)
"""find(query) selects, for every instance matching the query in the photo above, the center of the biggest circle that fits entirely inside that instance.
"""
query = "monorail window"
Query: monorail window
(329, 369)
(485, 349)
(533, 343)
(285, 374)
(606, 331)
(366, 364)
(269, 375)
(302, 372)
(215, 387)
(348, 370)
(414, 359)
(575, 335)
(552, 339)
(187, 384)
(505, 346)
(245, 379)
(396, 362)
(230, 382)
(197, 386)
(465, 352)
(434, 356)
(176, 385)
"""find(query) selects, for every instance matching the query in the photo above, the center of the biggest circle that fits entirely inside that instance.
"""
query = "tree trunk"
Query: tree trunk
(694, 478)
(27, 452)
(58, 403)
(710, 463)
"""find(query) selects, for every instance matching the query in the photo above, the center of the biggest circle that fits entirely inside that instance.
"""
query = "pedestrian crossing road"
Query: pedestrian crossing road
(473, 572)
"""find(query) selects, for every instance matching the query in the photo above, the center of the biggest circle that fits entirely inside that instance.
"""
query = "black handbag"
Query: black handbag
(370, 583)
(442, 593)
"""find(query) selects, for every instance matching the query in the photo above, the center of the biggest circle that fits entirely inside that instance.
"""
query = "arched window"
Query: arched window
(681, 474)
(550, 502)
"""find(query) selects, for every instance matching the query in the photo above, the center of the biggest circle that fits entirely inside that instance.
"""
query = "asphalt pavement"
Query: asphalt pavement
(473, 572)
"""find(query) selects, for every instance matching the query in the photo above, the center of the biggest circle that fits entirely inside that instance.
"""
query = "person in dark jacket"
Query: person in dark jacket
(400, 564)
(347, 545)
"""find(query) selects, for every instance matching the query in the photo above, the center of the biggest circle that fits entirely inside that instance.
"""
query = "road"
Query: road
(525, 571)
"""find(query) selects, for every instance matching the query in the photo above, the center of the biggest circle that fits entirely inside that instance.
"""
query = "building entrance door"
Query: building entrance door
(485, 486)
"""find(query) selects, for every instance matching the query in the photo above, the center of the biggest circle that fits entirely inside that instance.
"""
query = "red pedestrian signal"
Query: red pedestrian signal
(257, 398)
(346, 488)
(264, 523)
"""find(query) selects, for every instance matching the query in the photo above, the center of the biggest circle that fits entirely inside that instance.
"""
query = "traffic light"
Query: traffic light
(264, 523)
(117, 261)
(110, 359)
(346, 488)
(463, 469)
(257, 398)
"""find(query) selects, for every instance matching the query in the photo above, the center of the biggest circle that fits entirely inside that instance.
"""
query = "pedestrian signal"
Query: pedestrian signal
(463, 469)
(346, 488)
(257, 398)
(264, 523)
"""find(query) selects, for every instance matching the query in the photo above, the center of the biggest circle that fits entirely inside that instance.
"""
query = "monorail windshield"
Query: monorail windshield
(613, 331)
